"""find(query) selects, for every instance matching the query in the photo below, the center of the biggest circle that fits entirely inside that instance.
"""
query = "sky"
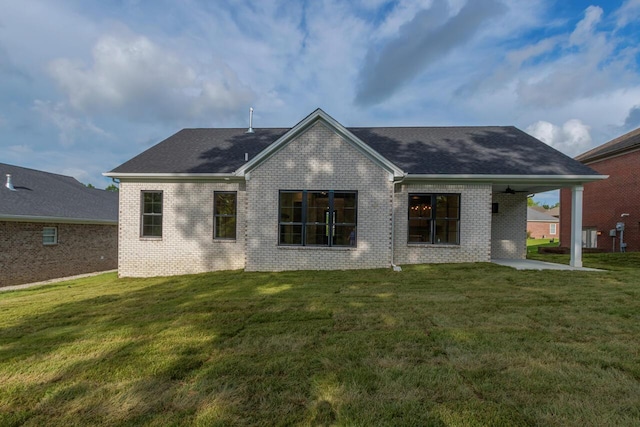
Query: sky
(86, 85)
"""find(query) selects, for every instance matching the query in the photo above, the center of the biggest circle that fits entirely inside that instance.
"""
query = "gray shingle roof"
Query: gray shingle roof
(416, 150)
(535, 215)
(47, 195)
(621, 144)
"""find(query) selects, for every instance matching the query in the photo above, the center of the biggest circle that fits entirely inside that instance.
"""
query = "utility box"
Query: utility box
(613, 232)
(620, 226)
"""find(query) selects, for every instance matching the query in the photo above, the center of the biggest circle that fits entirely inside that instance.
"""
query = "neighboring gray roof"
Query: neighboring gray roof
(535, 215)
(627, 142)
(47, 195)
(416, 150)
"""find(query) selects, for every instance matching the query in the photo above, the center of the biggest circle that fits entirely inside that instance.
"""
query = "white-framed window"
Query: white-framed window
(552, 229)
(50, 235)
(151, 222)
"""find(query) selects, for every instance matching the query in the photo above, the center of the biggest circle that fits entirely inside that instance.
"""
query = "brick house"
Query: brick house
(611, 202)
(542, 225)
(322, 196)
(53, 226)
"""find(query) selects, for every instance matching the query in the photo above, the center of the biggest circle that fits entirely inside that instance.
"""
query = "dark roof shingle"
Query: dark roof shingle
(501, 150)
(44, 194)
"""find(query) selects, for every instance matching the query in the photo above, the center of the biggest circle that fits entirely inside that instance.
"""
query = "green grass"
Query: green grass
(534, 244)
(442, 345)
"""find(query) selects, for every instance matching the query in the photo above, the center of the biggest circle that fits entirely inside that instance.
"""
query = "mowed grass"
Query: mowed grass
(534, 244)
(442, 345)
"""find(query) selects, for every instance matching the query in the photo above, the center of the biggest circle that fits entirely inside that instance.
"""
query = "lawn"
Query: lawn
(534, 244)
(442, 345)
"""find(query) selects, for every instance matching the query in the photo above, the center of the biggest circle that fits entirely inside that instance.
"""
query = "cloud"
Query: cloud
(69, 126)
(572, 138)
(633, 118)
(628, 13)
(428, 37)
(132, 77)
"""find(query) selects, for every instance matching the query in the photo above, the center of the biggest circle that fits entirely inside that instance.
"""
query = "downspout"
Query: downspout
(393, 224)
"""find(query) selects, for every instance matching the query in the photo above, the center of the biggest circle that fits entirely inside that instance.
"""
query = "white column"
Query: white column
(576, 226)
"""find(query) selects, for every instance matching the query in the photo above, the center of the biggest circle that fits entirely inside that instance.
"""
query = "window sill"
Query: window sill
(433, 245)
(151, 238)
(318, 248)
(219, 240)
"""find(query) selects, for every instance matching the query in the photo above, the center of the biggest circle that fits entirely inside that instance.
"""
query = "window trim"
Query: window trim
(331, 225)
(553, 229)
(235, 215)
(434, 218)
(54, 235)
(143, 214)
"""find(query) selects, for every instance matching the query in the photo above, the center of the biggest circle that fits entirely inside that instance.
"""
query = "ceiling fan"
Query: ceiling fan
(510, 190)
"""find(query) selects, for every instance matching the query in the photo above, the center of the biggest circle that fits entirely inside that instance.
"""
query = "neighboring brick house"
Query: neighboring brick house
(612, 201)
(541, 225)
(322, 196)
(53, 226)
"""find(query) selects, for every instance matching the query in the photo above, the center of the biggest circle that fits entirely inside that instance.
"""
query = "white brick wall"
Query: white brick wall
(318, 159)
(509, 226)
(475, 226)
(187, 245)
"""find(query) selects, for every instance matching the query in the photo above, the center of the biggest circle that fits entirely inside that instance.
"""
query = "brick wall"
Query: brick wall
(509, 227)
(475, 226)
(81, 248)
(187, 245)
(605, 201)
(319, 159)
(542, 230)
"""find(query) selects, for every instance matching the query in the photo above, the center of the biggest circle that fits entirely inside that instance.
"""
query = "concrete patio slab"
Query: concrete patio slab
(529, 264)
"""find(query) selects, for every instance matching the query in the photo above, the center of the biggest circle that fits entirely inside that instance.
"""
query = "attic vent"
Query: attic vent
(9, 184)
(250, 130)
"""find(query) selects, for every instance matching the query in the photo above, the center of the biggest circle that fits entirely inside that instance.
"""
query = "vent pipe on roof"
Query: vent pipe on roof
(250, 130)
(9, 184)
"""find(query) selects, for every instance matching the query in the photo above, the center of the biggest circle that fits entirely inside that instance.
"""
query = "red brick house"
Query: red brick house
(53, 226)
(541, 224)
(611, 208)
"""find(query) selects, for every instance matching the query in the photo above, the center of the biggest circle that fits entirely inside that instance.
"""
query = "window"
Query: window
(589, 237)
(224, 215)
(50, 235)
(434, 218)
(318, 218)
(151, 214)
(552, 229)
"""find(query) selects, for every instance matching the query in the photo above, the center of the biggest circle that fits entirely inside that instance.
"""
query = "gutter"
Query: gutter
(175, 176)
(37, 218)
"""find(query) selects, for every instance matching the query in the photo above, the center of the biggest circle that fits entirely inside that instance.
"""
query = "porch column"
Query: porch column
(576, 226)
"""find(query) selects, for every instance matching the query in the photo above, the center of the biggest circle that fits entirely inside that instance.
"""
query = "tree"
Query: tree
(531, 202)
(90, 185)
(112, 187)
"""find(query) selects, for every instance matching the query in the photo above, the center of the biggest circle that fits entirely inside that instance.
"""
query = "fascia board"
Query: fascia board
(35, 218)
(175, 176)
(319, 115)
(512, 179)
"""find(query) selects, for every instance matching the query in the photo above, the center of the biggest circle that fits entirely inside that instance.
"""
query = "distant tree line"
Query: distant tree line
(110, 187)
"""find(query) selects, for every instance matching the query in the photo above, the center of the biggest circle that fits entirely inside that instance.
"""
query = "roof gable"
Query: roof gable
(42, 195)
(319, 116)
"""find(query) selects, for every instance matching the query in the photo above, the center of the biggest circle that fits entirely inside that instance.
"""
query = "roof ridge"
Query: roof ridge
(38, 171)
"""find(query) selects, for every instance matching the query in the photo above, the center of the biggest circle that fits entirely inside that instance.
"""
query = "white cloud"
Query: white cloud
(133, 77)
(584, 30)
(69, 126)
(627, 13)
(572, 138)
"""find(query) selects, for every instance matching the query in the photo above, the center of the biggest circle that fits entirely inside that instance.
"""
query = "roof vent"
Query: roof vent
(250, 130)
(9, 184)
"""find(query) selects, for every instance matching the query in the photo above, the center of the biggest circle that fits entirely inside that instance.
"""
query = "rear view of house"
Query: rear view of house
(53, 226)
(322, 196)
